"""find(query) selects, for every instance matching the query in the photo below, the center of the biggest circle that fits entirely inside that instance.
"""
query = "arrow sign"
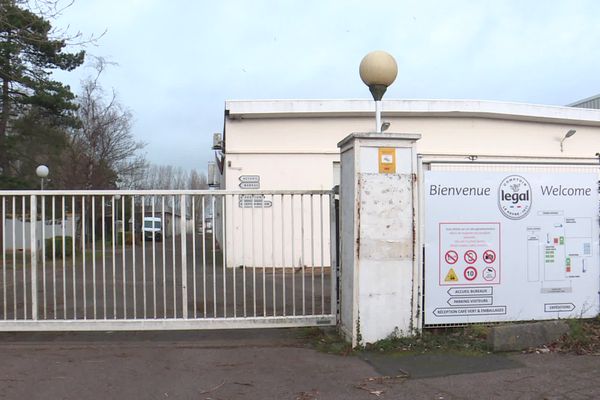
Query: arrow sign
(254, 201)
(250, 185)
(558, 307)
(474, 291)
(249, 178)
(461, 311)
(471, 301)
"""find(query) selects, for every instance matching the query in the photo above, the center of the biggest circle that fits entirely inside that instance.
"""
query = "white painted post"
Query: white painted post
(182, 227)
(34, 252)
(378, 222)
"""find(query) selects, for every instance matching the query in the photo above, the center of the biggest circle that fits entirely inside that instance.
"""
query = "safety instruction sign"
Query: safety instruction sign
(470, 249)
(510, 246)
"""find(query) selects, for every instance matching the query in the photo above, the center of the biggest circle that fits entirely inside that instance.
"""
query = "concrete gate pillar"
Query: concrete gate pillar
(378, 289)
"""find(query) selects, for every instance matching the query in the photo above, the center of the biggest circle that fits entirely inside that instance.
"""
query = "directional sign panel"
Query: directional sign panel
(254, 201)
(250, 185)
(470, 301)
(249, 181)
(249, 178)
(556, 307)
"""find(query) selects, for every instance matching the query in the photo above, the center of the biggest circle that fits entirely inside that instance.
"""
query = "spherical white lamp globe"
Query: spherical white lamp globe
(42, 171)
(378, 70)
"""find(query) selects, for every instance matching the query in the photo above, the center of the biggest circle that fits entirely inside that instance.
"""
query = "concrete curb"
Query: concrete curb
(516, 337)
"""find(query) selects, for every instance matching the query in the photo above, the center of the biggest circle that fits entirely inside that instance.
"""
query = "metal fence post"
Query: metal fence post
(33, 238)
(183, 227)
(333, 256)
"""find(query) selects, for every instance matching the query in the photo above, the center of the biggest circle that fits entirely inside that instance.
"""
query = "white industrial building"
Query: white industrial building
(292, 144)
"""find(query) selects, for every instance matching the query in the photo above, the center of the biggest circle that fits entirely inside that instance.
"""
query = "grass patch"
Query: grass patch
(464, 340)
(583, 338)
(326, 340)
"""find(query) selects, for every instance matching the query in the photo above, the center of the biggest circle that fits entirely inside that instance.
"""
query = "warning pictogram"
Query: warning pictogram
(489, 256)
(451, 276)
(489, 274)
(470, 273)
(470, 257)
(451, 257)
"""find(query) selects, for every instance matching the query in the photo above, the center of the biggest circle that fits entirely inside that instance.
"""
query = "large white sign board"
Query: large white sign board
(508, 247)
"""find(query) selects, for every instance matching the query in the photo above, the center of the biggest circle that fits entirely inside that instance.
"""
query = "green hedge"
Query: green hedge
(58, 252)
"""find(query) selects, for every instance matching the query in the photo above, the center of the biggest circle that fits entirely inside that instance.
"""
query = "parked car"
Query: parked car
(152, 228)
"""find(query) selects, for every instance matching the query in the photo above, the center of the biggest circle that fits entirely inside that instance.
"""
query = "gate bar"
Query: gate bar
(166, 324)
(182, 227)
(33, 226)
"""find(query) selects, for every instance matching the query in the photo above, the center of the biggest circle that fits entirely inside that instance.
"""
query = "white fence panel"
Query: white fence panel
(164, 260)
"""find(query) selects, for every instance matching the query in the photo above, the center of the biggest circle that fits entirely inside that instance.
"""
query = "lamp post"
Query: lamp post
(567, 135)
(116, 210)
(42, 172)
(378, 70)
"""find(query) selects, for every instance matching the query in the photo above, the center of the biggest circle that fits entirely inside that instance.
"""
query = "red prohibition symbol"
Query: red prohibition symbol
(451, 257)
(470, 257)
(489, 256)
(470, 273)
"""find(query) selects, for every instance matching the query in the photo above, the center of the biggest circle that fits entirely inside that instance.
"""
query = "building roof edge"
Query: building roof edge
(244, 109)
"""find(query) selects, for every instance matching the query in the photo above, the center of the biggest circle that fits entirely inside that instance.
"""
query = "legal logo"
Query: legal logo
(514, 197)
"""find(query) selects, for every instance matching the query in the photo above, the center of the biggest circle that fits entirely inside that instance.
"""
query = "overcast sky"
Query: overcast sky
(179, 60)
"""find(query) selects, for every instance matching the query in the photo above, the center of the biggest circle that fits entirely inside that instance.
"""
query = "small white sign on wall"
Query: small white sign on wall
(249, 181)
(508, 247)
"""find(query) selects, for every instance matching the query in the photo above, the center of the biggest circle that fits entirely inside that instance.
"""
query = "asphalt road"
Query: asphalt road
(259, 364)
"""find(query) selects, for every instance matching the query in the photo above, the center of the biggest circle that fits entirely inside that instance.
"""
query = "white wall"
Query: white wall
(50, 230)
(440, 135)
(281, 171)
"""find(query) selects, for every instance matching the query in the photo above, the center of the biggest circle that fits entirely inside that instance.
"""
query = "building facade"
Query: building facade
(293, 145)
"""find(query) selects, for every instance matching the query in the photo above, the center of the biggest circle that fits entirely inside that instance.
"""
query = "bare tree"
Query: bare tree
(103, 152)
(168, 177)
(197, 181)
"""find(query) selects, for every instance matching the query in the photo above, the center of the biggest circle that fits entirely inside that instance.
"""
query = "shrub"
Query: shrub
(58, 251)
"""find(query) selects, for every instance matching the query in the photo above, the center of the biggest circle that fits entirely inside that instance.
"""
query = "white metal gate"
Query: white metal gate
(487, 164)
(139, 260)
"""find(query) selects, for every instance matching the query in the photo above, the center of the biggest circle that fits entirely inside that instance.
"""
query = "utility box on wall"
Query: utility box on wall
(377, 236)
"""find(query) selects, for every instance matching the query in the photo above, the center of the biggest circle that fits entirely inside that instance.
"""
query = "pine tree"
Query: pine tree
(30, 101)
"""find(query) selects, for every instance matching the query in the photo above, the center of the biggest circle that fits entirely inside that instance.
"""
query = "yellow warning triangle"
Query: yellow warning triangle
(451, 276)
